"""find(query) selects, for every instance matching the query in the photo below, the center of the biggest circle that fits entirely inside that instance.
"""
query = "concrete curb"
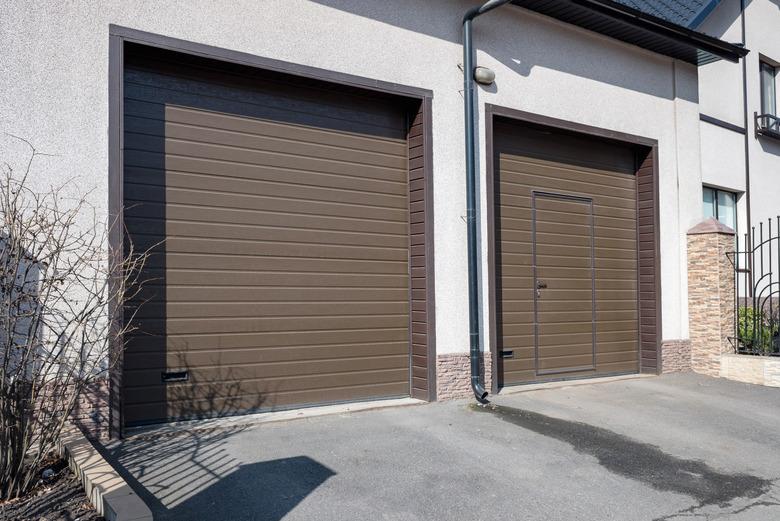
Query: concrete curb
(251, 420)
(109, 493)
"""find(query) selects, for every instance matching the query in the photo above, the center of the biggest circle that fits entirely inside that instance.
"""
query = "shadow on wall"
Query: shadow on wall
(190, 474)
(195, 353)
(769, 145)
(531, 45)
(217, 391)
(212, 386)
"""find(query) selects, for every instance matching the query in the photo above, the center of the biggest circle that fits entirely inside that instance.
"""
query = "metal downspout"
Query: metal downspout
(746, 122)
(475, 351)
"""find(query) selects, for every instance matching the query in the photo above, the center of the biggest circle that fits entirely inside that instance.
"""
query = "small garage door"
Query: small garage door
(566, 255)
(280, 213)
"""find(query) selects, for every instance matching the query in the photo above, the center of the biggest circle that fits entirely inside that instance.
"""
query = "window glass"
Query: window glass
(768, 94)
(720, 204)
(709, 203)
(727, 209)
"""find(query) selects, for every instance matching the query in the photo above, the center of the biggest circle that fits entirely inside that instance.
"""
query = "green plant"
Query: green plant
(756, 330)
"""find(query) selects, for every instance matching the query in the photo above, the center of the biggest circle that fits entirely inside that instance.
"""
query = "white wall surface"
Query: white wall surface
(54, 91)
(763, 37)
(720, 91)
(723, 164)
(720, 82)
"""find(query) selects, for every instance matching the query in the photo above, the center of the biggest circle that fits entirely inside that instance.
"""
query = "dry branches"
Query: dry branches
(58, 278)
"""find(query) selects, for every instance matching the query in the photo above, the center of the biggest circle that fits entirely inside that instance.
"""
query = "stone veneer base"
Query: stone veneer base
(675, 356)
(453, 375)
(91, 410)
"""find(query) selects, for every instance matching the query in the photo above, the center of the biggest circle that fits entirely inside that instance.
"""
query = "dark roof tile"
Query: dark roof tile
(681, 12)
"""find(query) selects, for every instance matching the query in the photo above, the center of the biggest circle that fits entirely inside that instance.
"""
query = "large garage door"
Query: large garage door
(280, 211)
(566, 255)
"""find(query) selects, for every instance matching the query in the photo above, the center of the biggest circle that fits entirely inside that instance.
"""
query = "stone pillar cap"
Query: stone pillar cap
(710, 225)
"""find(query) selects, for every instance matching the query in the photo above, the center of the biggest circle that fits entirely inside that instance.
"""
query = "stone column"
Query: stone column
(710, 294)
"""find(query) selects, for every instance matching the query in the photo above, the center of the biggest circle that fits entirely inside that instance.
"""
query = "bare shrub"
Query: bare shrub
(58, 280)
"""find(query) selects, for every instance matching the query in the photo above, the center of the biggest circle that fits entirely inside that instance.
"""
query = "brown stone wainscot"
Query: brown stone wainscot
(453, 375)
(91, 413)
(676, 356)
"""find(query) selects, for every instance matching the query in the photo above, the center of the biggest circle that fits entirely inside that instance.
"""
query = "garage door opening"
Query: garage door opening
(287, 217)
(573, 259)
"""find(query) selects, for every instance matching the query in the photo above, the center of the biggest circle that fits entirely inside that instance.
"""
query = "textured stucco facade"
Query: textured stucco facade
(55, 72)
(721, 96)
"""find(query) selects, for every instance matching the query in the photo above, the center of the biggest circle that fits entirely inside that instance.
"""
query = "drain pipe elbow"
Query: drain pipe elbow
(476, 385)
(482, 9)
(475, 351)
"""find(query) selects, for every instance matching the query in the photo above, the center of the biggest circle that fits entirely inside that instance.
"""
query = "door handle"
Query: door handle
(540, 285)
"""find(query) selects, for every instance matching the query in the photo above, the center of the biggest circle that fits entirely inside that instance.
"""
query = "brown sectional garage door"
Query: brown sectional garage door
(282, 277)
(566, 254)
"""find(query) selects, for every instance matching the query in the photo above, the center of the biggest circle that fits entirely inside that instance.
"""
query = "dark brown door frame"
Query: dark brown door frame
(117, 37)
(493, 111)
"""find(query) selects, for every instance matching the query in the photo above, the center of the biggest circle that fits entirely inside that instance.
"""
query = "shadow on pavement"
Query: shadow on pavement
(189, 474)
(266, 490)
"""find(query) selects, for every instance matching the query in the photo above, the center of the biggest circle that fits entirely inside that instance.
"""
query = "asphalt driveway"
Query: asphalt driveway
(668, 448)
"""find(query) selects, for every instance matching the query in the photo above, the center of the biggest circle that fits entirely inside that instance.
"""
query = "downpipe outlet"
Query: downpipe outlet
(476, 385)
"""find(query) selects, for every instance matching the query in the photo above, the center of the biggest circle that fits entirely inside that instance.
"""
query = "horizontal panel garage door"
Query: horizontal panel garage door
(280, 214)
(566, 255)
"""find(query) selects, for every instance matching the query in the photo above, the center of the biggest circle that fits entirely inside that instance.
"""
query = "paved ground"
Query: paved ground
(677, 447)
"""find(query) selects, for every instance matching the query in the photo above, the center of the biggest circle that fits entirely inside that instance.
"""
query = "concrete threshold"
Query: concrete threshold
(559, 384)
(111, 496)
(250, 420)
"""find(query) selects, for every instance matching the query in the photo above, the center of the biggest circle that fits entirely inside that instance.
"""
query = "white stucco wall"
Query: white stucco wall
(720, 91)
(723, 164)
(53, 91)
(720, 82)
(763, 38)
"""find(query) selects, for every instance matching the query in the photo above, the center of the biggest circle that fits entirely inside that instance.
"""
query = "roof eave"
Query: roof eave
(707, 48)
(702, 42)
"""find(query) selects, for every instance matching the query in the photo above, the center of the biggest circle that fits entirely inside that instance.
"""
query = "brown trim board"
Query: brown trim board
(116, 226)
(422, 332)
(649, 294)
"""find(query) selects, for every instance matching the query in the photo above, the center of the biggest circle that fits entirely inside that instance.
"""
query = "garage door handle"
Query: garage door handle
(540, 285)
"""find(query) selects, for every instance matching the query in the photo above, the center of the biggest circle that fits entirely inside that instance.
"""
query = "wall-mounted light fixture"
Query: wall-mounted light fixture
(484, 76)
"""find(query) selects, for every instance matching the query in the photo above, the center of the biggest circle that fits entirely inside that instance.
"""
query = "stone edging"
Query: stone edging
(760, 370)
(107, 491)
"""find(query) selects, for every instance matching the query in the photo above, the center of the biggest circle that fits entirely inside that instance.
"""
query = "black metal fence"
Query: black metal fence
(767, 125)
(757, 289)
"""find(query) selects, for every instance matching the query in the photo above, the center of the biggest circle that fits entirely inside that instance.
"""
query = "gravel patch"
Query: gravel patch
(60, 497)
